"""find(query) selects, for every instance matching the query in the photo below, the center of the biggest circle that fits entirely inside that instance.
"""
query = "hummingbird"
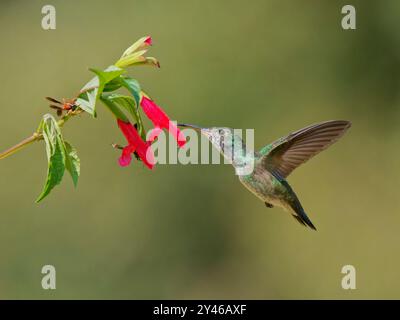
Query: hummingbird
(264, 172)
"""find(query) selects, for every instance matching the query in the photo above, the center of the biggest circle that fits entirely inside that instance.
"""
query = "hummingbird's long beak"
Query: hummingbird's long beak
(185, 125)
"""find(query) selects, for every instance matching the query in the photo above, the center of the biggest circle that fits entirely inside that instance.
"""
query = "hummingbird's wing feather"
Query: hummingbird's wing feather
(287, 153)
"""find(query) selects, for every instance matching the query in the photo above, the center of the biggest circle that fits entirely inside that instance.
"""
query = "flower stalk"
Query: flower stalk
(37, 136)
(19, 146)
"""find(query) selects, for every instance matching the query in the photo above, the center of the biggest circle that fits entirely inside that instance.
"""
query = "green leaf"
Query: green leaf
(106, 76)
(94, 88)
(113, 85)
(55, 154)
(133, 87)
(128, 103)
(87, 99)
(72, 162)
(113, 107)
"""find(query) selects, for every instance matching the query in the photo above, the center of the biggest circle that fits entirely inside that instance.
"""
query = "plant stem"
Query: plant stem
(37, 135)
(21, 145)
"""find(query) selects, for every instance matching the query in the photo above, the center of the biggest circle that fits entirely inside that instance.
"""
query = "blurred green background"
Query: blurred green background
(193, 231)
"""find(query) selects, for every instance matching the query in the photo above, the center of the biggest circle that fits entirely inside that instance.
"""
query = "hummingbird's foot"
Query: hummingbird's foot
(268, 205)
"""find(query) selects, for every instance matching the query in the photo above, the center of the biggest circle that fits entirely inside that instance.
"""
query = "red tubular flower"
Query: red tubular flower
(161, 121)
(135, 144)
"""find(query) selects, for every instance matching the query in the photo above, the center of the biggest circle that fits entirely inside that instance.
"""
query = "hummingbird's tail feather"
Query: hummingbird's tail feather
(293, 205)
(300, 215)
(299, 220)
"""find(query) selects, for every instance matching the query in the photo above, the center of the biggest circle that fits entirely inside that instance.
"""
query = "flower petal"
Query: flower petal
(126, 157)
(135, 143)
(153, 134)
(148, 41)
(147, 156)
(130, 133)
(154, 113)
(178, 134)
(161, 120)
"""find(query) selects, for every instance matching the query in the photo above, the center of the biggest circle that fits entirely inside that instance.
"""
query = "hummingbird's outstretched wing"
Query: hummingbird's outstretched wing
(287, 153)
